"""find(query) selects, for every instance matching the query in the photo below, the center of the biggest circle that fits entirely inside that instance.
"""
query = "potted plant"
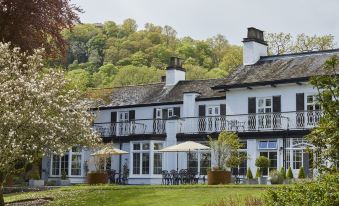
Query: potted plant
(224, 149)
(34, 178)
(262, 162)
(64, 181)
(289, 175)
(249, 177)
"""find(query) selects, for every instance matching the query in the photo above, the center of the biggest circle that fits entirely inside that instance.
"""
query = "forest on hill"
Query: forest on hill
(111, 54)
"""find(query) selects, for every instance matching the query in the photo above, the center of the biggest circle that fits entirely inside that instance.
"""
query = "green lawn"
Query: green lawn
(141, 195)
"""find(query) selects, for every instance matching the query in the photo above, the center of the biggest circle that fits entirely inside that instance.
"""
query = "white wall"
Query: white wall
(173, 76)
(252, 51)
(237, 99)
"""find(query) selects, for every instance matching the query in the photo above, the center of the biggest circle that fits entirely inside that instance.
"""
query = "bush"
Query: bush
(232, 201)
(283, 172)
(301, 174)
(63, 175)
(262, 162)
(289, 173)
(276, 177)
(324, 191)
(249, 174)
(258, 173)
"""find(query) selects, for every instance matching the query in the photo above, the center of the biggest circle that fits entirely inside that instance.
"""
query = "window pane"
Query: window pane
(64, 163)
(205, 163)
(268, 102)
(157, 146)
(76, 149)
(136, 163)
(136, 146)
(55, 165)
(145, 146)
(310, 99)
(145, 163)
(76, 165)
(157, 166)
(192, 163)
(260, 103)
(272, 144)
(108, 163)
(263, 145)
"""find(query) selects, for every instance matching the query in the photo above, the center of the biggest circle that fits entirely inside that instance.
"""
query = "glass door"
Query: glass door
(213, 116)
(123, 123)
(264, 111)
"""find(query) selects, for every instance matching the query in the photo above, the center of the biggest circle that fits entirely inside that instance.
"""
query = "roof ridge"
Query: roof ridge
(300, 53)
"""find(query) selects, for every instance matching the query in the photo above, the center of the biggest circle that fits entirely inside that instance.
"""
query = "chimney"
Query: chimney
(174, 72)
(254, 46)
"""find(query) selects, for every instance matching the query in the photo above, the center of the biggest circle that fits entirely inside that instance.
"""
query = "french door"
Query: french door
(264, 111)
(213, 118)
(124, 125)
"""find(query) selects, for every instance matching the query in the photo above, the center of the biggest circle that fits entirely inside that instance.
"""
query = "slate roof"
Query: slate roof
(157, 93)
(279, 68)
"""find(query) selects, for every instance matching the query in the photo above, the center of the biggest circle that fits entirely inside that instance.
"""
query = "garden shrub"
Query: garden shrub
(276, 177)
(289, 173)
(324, 191)
(258, 173)
(249, 174)
(283, 172)
(301, 174)
(237, 201)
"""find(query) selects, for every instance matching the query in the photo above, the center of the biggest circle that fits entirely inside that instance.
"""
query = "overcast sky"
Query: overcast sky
(201, 19)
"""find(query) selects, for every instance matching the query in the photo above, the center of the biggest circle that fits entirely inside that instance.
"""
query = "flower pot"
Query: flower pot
(251, 181)
(218, 177)
(36, 183)
(63, 182)
(262, 180)
(97, 178)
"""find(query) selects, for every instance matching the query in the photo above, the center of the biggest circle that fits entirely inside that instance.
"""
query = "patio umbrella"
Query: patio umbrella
(109, 151)
(185, 147)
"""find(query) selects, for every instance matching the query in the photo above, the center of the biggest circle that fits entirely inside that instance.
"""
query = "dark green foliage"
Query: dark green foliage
(262, 162)
(257, 173)
(283, 172)
(301, 174)
(249, 174)
(289, 173)
(324, 191)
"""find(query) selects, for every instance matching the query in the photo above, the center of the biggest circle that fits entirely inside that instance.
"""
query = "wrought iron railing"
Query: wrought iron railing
(250, 122)
(139, 126)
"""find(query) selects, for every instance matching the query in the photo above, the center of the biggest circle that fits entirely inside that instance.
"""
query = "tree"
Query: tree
(281, 43)
(289, 174)
(79, 79)
(301, 174)
(39, 115)
(105, 76)
(33, 24)
(326, 149)
(225, 149)
(231, 59)
(262, 162)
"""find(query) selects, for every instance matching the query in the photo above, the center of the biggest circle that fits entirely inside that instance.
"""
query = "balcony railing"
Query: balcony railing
(250, 122)
(140, 126)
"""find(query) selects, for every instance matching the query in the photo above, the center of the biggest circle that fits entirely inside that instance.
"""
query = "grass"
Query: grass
(141, 195)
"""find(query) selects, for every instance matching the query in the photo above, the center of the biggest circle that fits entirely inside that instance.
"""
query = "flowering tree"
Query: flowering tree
(39, 113)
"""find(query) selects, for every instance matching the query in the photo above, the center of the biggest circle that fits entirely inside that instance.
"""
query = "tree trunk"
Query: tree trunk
(2, 201)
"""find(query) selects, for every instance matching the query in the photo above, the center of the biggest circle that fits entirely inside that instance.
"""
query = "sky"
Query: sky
(201, 19)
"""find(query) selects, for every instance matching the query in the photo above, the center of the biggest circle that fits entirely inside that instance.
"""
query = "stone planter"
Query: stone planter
(97, 178)
(218, 177)
(36, 183)
(262, 180)
(63, 182)
(251, 181)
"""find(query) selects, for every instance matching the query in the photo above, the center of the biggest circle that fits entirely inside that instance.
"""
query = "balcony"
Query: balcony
(135, 127)
(250, 122)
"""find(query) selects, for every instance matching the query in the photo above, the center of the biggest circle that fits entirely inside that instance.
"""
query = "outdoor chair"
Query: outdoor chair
(166, 177)
(183, 176)
(192, 176)
(174, 177)
(111, 175)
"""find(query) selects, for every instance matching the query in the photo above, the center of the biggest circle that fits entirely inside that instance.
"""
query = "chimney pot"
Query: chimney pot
(174, 72)
(254, 46)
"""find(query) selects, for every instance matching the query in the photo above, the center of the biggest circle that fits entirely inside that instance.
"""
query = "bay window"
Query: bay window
(146, 158)
(71, 163)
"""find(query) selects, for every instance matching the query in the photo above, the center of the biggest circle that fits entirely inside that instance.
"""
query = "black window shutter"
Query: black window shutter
(176, 111)
(131, 115)
(202, 110)
(165, 113)
(276, 103)
(154, 113)
(300, 102)
(113, 116)
(251, 105)
(222, 109)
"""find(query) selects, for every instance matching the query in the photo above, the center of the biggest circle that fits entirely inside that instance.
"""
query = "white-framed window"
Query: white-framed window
(264, 104)
(199, 161)
(267, 144)
(273, 157)
(213, 110)
(170, 112)
(146, 158)
(312, 103)
(123, 116)
(158, 113)
(71, 163)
